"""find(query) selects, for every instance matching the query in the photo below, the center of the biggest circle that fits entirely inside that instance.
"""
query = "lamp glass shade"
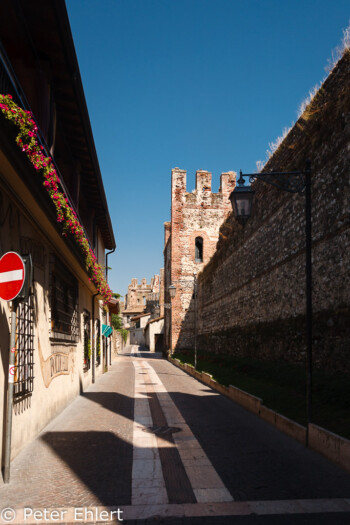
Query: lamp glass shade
(242, 201)
(172, 291)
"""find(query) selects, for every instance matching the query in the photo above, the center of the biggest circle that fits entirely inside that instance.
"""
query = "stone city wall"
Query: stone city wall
(251, 297)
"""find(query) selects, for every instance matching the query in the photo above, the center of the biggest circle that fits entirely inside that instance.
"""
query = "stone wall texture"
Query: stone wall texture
(193, 214)
(251, 295)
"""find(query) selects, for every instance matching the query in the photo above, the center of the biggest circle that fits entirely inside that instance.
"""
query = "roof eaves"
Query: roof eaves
(71, 57)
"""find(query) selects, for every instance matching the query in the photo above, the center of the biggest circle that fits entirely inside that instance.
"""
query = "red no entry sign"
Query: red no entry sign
(12, 274)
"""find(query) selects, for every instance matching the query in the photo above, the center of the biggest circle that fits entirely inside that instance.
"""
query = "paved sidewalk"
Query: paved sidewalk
(152, 442)
(84, 456)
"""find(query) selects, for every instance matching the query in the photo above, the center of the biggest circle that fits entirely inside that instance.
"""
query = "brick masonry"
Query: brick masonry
(196, 214)
(251, 298)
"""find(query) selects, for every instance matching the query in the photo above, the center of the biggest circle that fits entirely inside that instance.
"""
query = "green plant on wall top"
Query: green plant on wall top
(27, 140)
(117, 324)
(116, 321)
(124, 333)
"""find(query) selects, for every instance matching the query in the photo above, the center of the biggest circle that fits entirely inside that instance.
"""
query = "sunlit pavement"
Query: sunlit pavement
(149, 444)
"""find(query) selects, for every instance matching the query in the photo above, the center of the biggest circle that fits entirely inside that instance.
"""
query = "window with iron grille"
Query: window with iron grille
(63, 303)
(87, 341)
(24, 353)
(98, 342)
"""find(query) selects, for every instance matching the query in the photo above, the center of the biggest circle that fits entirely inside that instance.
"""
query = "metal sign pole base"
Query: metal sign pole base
(11, 377)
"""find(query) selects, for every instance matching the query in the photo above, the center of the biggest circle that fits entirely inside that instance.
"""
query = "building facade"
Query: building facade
(154, 334)
(190, 241)
(52, 207)
(135, 301)
(137, 329)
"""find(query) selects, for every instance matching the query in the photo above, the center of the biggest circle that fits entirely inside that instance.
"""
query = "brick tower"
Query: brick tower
(190, 241)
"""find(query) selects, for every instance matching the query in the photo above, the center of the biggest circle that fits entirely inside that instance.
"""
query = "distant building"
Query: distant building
(155, 301)
(144, 303)
(135, 301)
(154, 334)
(137, 326)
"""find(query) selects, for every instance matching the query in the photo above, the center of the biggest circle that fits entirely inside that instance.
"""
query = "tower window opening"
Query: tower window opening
(199, 249)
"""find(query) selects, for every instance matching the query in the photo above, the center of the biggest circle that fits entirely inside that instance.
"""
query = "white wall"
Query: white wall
(137, 336)
(156, 327)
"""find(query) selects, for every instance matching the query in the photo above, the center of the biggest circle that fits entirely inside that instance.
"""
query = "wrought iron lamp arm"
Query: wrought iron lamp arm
(291, 181)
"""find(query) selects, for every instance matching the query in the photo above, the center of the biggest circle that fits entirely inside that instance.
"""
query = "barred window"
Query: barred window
(63, 303)
(98, 342)
(87, 341)
(24, 353)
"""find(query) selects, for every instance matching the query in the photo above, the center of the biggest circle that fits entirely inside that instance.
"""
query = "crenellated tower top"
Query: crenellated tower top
(203, 191)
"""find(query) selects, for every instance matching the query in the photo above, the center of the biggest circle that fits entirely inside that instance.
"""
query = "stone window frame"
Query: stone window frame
(198, 249)
(192, 246)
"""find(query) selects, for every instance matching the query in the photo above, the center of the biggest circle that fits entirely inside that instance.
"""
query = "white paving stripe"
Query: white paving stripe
(148, 486)
(206, 483)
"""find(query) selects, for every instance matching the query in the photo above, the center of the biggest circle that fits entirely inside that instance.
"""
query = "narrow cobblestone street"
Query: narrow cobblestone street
(161, 447)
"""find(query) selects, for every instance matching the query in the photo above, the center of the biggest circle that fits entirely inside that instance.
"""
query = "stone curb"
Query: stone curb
(334, 447)
(331, 445)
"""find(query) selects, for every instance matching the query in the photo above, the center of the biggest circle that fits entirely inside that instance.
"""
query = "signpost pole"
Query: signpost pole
(13, 275)
(11, 377)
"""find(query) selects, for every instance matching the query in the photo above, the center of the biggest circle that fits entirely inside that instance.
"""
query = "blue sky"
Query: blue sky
(195, 84)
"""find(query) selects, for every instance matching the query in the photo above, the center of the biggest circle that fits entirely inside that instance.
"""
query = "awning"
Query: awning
(106, 330)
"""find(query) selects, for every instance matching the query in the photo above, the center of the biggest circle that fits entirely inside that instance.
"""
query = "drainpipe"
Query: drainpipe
(93, 336)
(108, 253)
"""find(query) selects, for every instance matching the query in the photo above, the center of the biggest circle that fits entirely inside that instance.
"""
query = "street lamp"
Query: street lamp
(172, 291)
(294, 182)
(242, 200)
